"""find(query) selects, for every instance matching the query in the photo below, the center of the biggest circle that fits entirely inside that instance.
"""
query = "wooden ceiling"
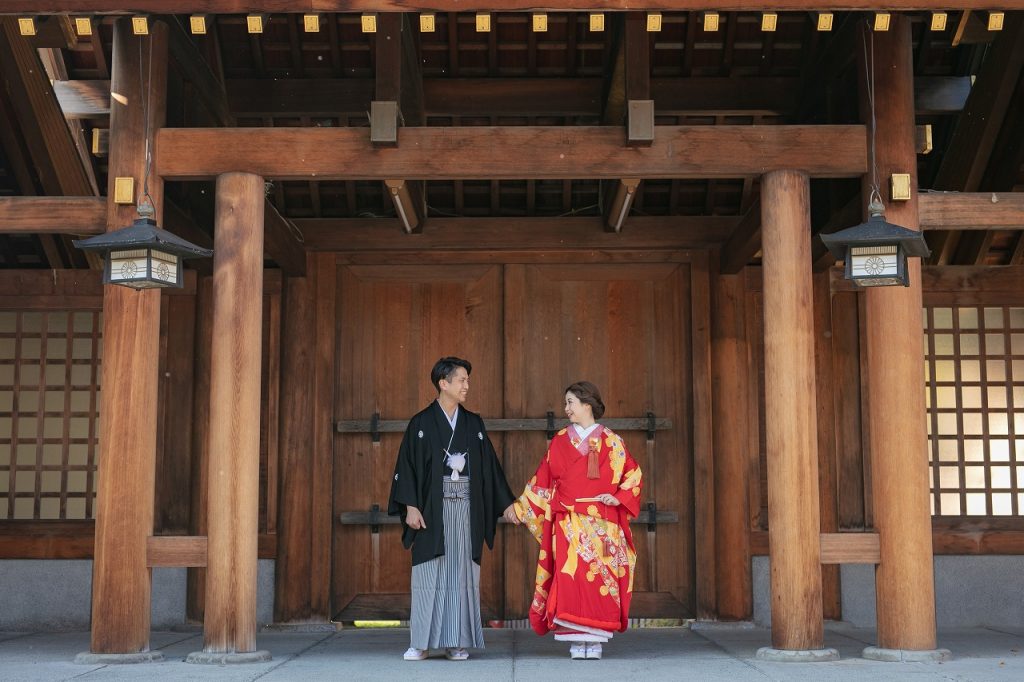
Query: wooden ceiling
(568, 76)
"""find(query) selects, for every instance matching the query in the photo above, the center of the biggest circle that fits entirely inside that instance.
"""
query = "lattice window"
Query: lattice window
(974, 370)
(49, 402)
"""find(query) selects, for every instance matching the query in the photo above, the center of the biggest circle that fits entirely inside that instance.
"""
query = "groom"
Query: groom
(450, 491)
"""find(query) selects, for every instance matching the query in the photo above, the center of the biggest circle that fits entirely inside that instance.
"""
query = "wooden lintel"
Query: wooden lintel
(282, 242)
(301, 6)
(971, 210)
(849, 548)
(176, 551)
(497, 234)
(407, 206)
(744, 242)
(625, 193)
(53, 215)
(511, 152)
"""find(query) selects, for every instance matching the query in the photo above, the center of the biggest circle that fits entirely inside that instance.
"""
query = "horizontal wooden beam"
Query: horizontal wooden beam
(176, 550)
(512, 97)
(971, 210)
(511, 152)
(53, 215)
(300, 6)
(519, 234)
(849, 548)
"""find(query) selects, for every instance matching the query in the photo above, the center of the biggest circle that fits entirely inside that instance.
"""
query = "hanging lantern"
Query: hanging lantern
(142, 256)
(876, 251)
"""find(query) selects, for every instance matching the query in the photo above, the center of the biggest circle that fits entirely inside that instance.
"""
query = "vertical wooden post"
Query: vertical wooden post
(904, 589)
(128, 407)
(233, 485)
(729, 396)
(793, 515)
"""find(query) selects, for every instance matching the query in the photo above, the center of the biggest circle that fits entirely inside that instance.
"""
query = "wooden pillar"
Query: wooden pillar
(793, 517)
(131, 340)
(730, 383)
(234, 451)
(904, 589)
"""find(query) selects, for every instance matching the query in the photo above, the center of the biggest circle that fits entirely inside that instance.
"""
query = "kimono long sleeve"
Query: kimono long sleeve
(497, 494)
(534, 506)
(405, 488)
(628, 492)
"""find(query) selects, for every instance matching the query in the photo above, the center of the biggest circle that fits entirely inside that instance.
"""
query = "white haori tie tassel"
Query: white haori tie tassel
(457, 462)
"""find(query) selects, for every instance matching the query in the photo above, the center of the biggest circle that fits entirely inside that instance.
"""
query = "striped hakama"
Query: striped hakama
(446, 590)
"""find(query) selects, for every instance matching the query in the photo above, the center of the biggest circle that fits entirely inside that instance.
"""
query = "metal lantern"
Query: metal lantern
(142, 256)
(876, 251)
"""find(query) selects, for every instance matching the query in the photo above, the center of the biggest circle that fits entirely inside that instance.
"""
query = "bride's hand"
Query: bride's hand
(608, 499)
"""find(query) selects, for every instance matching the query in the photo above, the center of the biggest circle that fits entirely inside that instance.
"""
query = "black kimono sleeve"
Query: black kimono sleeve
(497, 495)
(406, 488)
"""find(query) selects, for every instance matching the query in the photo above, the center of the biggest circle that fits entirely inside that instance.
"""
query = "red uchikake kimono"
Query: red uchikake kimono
(587, 558)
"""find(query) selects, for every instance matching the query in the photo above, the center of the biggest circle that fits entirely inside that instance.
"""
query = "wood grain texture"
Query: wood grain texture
(793, 507)
(971, 210)
(703, 435)
(195, 598)
(131, 332)
(730, 385)
(54, 215)
(233, 488)
(512, 152)
(904, 585)
(324, 405)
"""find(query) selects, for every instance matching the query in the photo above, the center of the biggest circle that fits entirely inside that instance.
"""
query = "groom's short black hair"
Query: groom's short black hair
(445, 368)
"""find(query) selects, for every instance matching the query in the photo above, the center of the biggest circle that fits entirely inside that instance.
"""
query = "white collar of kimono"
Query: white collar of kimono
(454, 418)
(584, 432)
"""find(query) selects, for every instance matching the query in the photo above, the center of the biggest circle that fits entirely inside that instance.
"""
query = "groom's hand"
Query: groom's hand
(414, 519)
(510, 514)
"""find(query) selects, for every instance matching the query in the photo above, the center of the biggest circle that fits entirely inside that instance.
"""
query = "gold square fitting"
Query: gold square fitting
(83, 27)
(938, 21)
(124, 190)
(26, 26)
(197, 24)
(428, 23)
(995, 21)
(653, 22)
(311, 23)
(900, 186)
(769, 22)
(540, 22)
(597, 22)
(711, 22)
(368, 22)
(483, 22)
(882, 21)
(140, 26)
(825, 21)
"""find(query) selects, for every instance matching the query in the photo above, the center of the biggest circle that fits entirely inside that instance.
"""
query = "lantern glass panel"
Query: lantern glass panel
(128, 266)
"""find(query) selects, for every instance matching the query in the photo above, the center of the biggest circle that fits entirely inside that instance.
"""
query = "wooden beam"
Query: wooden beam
(849, 548)
(513, 152)
(53, 215)
(300, 6)
(83, 99)
(496, 234)
(176, 551)
(744, 242)
(972, 210)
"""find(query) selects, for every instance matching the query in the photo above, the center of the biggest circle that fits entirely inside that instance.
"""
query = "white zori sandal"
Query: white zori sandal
(456, 654)
(578, 651)
(414, 654)
(593, 650)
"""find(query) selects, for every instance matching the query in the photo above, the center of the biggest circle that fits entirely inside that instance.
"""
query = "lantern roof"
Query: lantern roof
(143, 234)
(876, 231)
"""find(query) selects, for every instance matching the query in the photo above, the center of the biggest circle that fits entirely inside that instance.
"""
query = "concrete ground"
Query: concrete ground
(707, 652)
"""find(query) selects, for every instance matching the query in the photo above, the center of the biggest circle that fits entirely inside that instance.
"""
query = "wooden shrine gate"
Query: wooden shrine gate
(529, 331)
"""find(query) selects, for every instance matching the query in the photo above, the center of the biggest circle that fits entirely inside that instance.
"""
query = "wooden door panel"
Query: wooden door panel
(394, 323)
(626, 328)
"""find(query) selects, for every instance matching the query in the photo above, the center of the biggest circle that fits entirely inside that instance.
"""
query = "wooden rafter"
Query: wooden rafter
(970, 150)
(515, 153)
(744, 242)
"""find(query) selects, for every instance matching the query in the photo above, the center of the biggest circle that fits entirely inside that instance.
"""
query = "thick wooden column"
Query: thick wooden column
(904, 587)
(730, 384)
(793, 516)
(233, 474)
(131, 335)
